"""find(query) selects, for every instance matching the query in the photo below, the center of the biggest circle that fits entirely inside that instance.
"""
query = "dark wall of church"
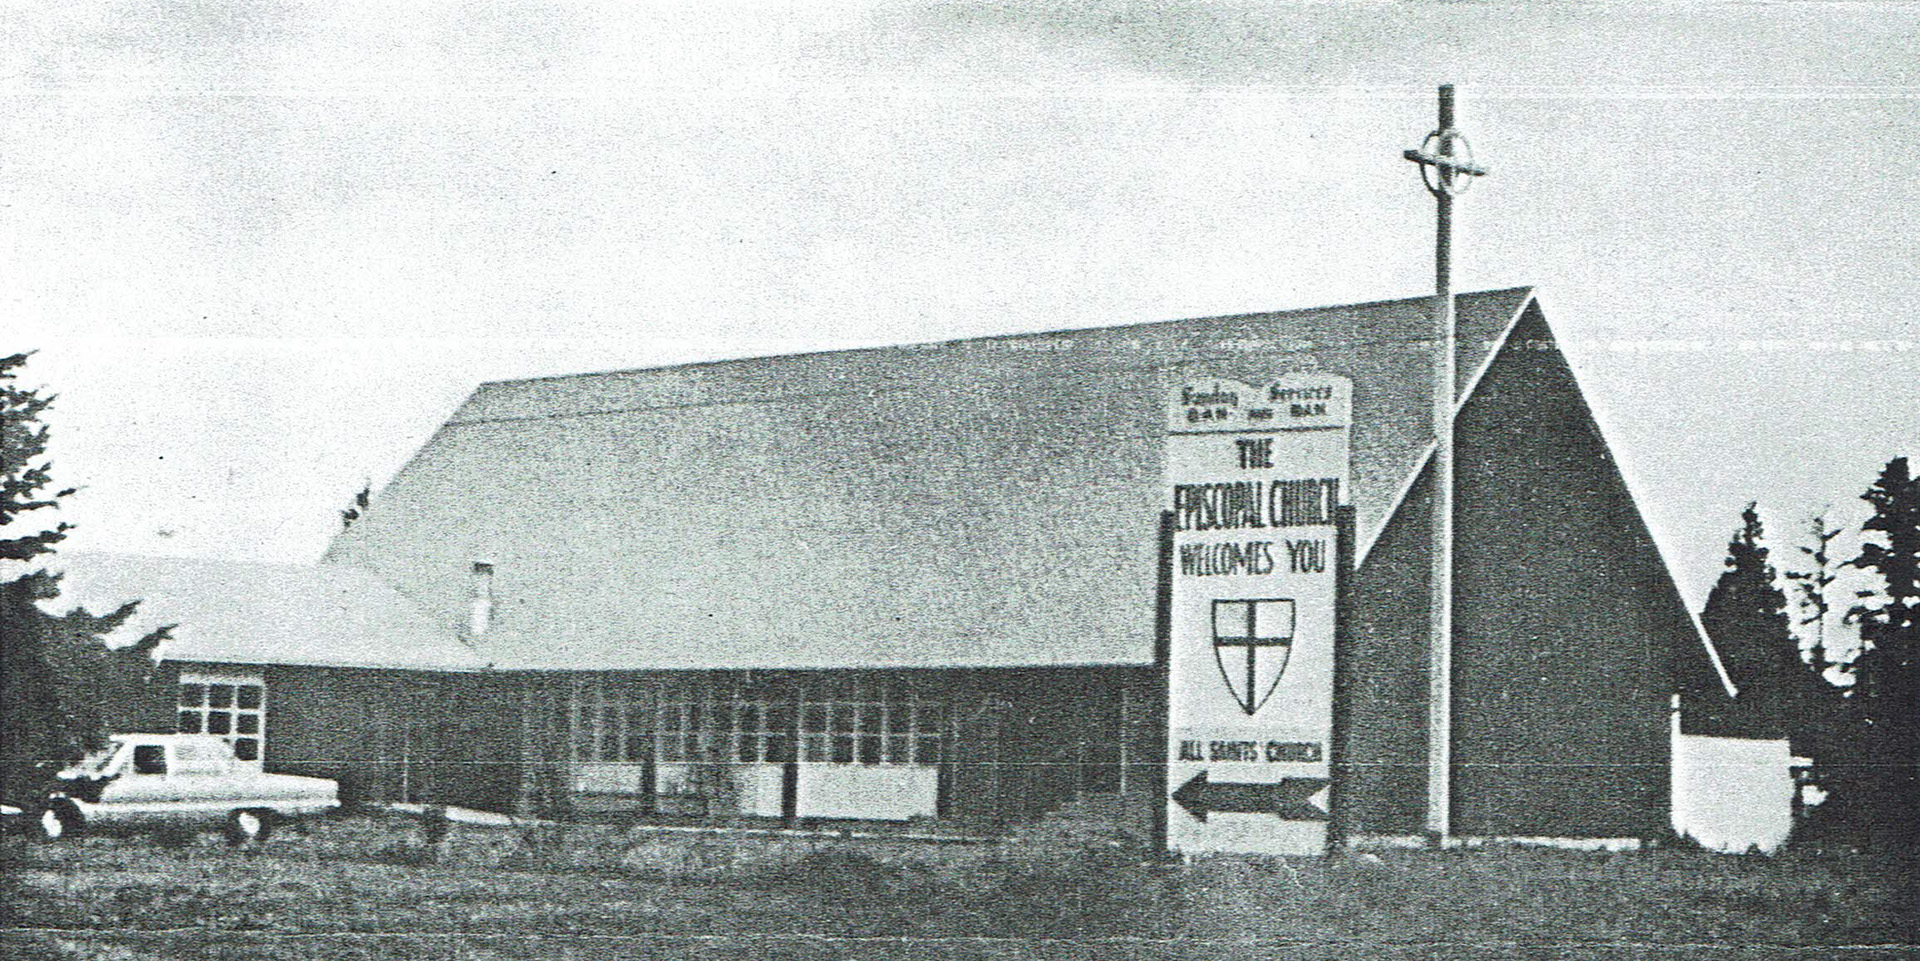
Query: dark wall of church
(1380, 702)
(1566, 630)
(132, 703)
(395, 735)
(1038, 740)
(1568, 621)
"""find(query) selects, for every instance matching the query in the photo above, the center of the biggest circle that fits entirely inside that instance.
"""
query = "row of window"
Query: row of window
(233, 707)
(840, 721)
(637, 721)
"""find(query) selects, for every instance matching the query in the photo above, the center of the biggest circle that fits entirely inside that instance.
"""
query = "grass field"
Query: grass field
(361, 887)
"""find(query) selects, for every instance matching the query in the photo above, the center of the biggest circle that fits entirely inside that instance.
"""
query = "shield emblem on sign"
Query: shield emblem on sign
(1252, 640)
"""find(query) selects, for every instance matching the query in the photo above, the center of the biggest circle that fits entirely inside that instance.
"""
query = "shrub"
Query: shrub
(847, 875)
(405, 855)
(1100, 891)
(434, 824)
(174, 837)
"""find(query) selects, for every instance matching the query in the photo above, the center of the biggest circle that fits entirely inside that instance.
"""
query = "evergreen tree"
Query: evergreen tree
(1746, 615)
(1812, 590)
(1881, 791)
(1821, 734)
(55, 672)
(24, 472)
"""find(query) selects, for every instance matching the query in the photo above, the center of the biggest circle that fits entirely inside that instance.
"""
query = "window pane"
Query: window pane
(870, 722)
(246, 724)
(816, 747)
(843, 749)
(779, 718)
(193, 695)
(843, 718)
(869, 748)
(219, 722)
(249, 697)
(928, 751)
(779, 748)
(149, 759)
(1104, 778)
(189, 722)
(898, 746)
(814, 719)
(219, 695)
(749, 747)
(749, 717)
(247, 749)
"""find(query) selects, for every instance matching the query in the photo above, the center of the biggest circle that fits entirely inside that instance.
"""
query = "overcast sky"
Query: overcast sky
(263, 249)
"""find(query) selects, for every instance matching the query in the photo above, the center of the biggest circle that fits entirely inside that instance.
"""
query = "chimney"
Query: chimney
(480, 609)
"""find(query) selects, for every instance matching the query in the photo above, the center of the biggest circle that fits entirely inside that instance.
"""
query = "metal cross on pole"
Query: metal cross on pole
(1447, 167)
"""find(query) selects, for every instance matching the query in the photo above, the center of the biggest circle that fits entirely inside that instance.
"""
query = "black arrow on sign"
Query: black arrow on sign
(1286, 798)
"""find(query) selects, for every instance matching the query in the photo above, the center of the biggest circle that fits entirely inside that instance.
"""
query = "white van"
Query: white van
(193, 779)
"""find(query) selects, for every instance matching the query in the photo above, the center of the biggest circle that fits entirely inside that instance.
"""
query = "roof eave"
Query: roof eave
(1473, 384)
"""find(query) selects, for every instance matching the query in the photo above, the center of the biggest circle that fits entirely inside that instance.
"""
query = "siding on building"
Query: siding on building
(389, 735)
(1568, 623)
(385, 735)
(136, 707)
(1380, 709)
(1015, 744)
(1567, 629)
(345, 659)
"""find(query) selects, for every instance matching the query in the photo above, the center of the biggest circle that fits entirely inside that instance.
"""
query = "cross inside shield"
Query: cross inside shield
(1252, 640)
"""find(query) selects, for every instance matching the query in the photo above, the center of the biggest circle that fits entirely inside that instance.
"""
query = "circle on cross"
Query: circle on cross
(1446, 163)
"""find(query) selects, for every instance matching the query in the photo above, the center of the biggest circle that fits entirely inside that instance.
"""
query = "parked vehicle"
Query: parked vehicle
(155, 780)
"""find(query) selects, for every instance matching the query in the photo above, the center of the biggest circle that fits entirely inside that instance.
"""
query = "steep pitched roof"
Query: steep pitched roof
(246, 613)
(986, 502)
(1606, 463)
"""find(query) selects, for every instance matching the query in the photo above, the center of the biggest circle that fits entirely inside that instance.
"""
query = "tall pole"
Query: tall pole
(1447, 166)
(1440, 581)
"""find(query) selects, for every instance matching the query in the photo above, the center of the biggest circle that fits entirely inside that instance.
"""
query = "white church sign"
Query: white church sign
(1254, 478)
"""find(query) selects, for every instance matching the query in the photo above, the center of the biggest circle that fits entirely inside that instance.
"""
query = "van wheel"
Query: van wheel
(245, 826)
(60, 820)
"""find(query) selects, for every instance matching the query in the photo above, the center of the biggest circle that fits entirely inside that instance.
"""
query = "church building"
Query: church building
(956, 588)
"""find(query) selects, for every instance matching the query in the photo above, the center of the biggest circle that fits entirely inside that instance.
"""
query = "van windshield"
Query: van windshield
(95, 764)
